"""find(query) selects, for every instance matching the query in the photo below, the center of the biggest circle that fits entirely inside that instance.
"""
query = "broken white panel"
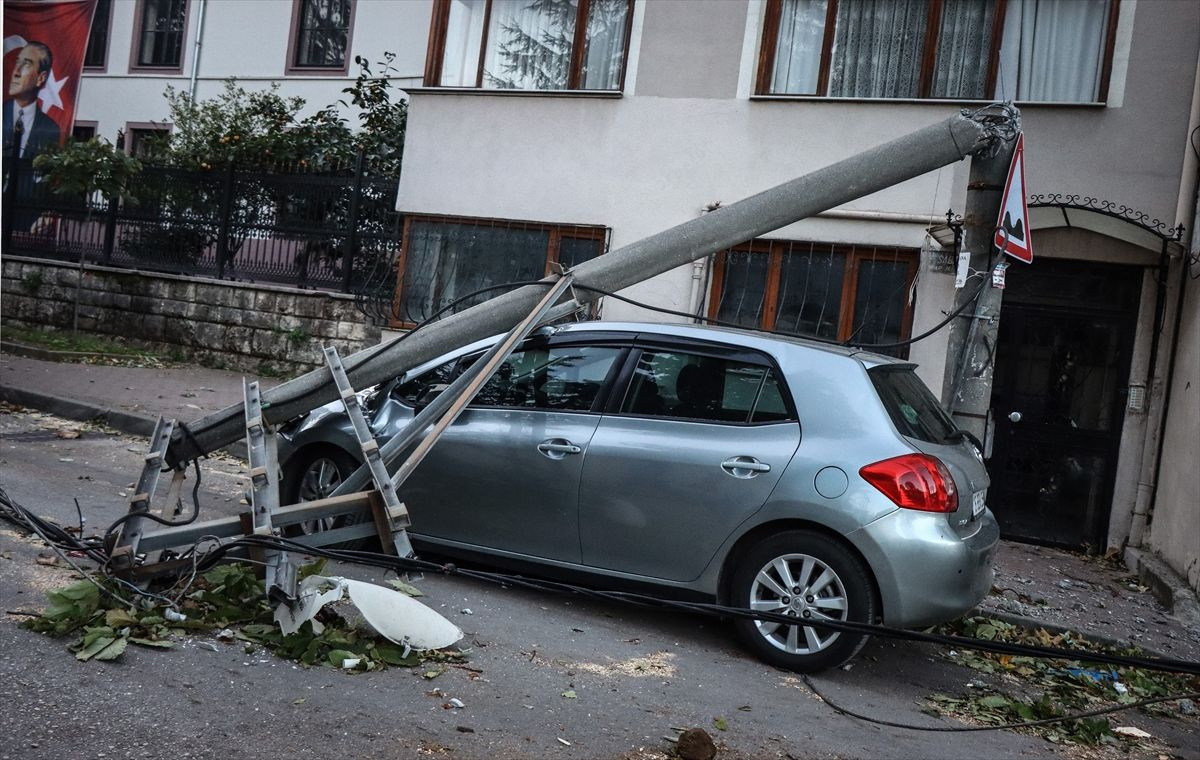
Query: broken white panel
(393, 615)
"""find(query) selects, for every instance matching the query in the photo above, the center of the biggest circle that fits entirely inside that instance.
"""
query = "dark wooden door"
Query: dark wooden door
(1058, 399)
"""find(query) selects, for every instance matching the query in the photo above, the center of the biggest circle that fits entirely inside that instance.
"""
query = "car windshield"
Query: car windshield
(913, 409)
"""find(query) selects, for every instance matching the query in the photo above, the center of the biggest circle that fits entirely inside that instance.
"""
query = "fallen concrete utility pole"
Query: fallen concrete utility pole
(901, 159)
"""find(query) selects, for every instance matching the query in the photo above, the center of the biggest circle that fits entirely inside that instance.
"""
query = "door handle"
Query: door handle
(557, 448)
(744, 467)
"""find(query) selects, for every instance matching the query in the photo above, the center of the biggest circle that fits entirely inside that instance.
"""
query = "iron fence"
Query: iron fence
(331, 230)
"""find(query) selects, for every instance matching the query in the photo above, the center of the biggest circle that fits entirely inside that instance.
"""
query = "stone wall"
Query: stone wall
(257, 328)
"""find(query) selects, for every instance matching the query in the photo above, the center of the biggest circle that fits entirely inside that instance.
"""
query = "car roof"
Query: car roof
(768, 342)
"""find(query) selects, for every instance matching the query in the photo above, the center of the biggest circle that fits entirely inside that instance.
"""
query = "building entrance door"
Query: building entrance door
(1058, 398)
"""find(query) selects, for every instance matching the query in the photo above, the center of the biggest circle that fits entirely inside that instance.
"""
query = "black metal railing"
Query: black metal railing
(330, 230)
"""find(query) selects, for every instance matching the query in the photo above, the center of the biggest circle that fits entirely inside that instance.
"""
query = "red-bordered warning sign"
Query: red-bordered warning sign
(1012, 228)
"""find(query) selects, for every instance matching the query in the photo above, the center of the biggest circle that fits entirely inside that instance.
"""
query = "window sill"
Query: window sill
(316, 71)
(927, 101)
(602, 94)
(160, 70)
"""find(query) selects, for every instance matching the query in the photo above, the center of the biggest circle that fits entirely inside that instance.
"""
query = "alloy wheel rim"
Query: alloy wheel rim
(319, 480)
(804, 587)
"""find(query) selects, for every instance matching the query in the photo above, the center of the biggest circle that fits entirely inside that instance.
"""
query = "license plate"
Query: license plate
(978, 502)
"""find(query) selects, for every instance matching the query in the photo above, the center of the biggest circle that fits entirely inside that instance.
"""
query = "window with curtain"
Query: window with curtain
(96, 55)
(529, 44)
(444, 259)
(160, 33)
(832, 292)
(1031, 50)
(322, 34)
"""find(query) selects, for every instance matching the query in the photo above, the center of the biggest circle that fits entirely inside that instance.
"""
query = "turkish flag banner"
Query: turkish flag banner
(44, 44)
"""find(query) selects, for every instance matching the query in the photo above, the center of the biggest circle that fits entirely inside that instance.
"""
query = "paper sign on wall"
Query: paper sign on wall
(1012, 228)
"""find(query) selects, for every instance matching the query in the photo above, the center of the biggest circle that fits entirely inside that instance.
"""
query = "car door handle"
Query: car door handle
(744, 467)
(557, 448)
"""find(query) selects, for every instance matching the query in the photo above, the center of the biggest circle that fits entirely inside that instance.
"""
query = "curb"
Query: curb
(71, 409)
(125, 422)
(1165, 584)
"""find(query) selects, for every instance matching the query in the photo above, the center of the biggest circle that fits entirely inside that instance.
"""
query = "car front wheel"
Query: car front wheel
(810, 577)
(314, 476)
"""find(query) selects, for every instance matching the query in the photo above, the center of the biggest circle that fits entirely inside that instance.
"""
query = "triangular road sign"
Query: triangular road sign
(1012, 227)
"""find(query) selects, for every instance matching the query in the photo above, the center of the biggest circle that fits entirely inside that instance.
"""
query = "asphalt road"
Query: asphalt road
(638, 675)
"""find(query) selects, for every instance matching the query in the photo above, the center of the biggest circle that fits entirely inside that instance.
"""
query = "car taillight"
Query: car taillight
(914, 481)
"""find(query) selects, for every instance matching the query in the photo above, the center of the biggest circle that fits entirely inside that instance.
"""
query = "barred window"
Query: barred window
(833, 292)
(321, 37)
(446, 258)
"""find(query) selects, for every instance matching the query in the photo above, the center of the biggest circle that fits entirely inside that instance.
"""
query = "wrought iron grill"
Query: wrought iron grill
(335, 230)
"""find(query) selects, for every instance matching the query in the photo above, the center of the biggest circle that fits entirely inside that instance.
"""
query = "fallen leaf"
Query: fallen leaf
(67, 433)
(299, 701)
(48, 560)
(1132, 732)
(405, 588)
(720, 724)
(569, 694)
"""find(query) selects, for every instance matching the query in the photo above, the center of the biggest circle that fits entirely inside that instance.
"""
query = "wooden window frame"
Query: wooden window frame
(557, 231)
(770, 35)
(100, 68)
(290, 65)
(136, 46)
(852, 257)
(439, 28)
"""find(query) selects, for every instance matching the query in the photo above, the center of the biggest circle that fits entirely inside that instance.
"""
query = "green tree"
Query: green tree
(83, 170)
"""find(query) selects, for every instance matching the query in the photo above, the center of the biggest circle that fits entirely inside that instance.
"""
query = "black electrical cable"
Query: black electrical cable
(1024, 724)
(406, 565)
(950, 317)
(161, 520)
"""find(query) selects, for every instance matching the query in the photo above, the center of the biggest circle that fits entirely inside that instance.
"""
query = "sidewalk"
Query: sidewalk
(1035, 586)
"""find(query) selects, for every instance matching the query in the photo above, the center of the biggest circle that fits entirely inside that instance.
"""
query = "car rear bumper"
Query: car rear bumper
(927, 572)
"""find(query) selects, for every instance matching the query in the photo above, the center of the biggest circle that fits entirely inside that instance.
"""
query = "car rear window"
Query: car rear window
(915, 411)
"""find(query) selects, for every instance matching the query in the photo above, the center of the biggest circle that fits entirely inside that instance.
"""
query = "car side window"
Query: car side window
(696, 387)
(560, 378)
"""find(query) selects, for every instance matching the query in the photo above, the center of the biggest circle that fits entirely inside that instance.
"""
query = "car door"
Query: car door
(691, 448)
(505, 475)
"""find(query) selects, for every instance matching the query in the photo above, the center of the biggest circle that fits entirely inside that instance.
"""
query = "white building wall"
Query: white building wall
(248, 40)
(685, 134)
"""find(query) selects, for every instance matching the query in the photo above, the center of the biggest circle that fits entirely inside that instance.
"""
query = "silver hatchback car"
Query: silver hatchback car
(774, 474)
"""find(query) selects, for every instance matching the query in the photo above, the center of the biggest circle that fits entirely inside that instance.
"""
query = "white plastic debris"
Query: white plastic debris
(350, 663)
(395, 616)
(1120, 687)
(174, 616)
(455, 702)
(1132, 732)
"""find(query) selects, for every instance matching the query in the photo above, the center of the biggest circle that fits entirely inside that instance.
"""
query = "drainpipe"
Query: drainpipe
(196, 51)
(1188, 208)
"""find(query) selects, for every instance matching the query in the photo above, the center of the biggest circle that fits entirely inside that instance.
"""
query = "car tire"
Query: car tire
(825, 578)
(313, 474)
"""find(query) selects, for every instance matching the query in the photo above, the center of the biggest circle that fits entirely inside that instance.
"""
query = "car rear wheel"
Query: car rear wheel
(313, 475)
(811, 577)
